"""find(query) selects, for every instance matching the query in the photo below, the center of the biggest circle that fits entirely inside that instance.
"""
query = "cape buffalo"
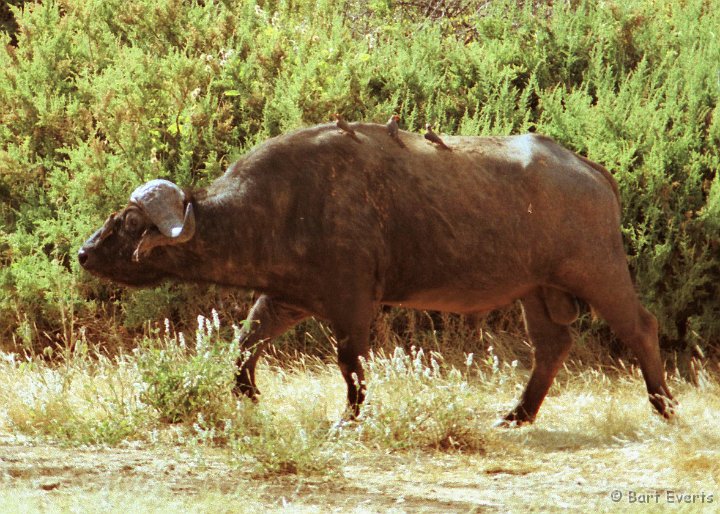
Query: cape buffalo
(326, 225)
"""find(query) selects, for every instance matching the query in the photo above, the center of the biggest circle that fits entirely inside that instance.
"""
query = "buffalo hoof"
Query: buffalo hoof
(664, 405)
(245, 391)
(513, 420)
(351, 413)
(343, 424)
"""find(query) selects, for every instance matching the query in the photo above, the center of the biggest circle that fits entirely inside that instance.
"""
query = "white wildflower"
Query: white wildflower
(216, 320)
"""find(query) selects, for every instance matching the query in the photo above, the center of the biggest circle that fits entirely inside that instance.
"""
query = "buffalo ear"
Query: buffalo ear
(153, 237)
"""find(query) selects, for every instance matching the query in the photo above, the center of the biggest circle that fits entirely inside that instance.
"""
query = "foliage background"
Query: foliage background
(97, 96)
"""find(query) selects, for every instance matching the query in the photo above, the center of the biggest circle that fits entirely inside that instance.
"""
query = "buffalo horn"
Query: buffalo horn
(163, 202)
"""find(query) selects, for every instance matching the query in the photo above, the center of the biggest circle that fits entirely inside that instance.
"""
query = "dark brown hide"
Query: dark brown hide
(323, 226)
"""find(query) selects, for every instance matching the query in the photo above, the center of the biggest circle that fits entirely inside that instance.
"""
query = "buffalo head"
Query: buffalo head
(157, 216)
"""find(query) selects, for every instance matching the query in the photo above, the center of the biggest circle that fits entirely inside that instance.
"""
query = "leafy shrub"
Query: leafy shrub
(193, 386)
(278, 443)
(181, 383)
(7, 19)
(98, 96)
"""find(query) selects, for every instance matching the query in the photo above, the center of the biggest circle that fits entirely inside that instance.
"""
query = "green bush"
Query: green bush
(98, 96)
(191, 383)
(181, 383)
(7, 18)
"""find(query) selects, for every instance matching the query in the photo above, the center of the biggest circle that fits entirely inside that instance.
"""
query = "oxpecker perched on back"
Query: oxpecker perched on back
(434, 138)
(345, 127)
(393, 129)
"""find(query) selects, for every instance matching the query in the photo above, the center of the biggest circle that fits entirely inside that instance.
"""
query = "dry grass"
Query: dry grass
(426, 431)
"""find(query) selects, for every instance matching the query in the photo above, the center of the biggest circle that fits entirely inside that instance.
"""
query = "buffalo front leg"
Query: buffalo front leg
(353, 343)
(269, 317)
(552, 343)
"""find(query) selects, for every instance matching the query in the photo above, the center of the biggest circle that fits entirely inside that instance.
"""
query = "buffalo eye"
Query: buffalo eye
(108, 227)
(133, 222)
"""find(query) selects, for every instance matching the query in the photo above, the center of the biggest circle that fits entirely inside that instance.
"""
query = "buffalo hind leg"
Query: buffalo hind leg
(638, 329)
(552, 343)
(268, 318)
(612, 295)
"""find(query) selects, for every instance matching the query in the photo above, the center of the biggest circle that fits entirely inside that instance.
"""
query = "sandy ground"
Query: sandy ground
(48, 479)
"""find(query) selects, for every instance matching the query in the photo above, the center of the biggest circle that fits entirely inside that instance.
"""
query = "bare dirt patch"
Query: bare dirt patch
(575, 480)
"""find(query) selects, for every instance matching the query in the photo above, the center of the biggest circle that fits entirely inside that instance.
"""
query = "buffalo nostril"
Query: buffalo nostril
(82, 256)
